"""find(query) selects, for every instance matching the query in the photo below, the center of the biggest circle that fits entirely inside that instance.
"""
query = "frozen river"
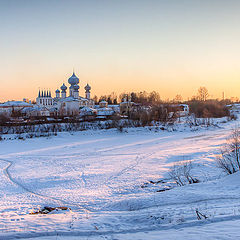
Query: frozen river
(99, 174)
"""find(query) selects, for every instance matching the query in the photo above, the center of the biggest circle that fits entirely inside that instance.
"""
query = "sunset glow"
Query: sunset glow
(172, 47)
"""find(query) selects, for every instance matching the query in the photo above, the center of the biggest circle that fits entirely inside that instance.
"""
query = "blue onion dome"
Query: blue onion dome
(75, 87)
(87, 88)
(63, 87)
(73, 79)
(57, 91)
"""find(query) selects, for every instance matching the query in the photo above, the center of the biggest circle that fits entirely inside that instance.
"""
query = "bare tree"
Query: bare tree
(229, 159)
(175, 174)
(203, 94)
(178, 98)
(187, 168)
(95, 98)
(154, 97)
(181, 173)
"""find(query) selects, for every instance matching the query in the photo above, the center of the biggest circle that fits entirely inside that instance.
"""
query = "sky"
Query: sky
(169, 46)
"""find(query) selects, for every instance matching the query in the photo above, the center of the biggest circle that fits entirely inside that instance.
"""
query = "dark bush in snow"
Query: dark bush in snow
(229, 159)
(181, 173)
(3, 118)
(208, 109)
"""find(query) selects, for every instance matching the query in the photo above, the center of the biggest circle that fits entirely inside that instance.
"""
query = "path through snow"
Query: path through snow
(99, 175)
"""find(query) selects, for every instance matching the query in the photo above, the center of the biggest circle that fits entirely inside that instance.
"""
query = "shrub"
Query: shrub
(208, 109)
(3, 118)
(229, 159)
(181, 173)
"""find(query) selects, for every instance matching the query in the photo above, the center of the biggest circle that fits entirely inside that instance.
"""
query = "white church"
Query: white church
(63, 104)
(66, 102)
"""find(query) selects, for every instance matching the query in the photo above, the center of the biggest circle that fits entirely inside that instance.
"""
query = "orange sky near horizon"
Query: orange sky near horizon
(172, 47)
(107, 84)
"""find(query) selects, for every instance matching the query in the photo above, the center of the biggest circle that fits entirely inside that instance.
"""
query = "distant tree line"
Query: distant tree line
(200, 104)
(150, 106)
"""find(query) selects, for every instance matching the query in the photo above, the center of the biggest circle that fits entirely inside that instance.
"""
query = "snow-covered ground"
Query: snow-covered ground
(100, 174)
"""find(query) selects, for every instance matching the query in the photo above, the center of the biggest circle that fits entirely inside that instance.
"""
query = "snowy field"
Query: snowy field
(100, 174)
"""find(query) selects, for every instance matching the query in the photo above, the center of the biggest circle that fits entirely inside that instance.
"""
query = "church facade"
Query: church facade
(67, 101)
